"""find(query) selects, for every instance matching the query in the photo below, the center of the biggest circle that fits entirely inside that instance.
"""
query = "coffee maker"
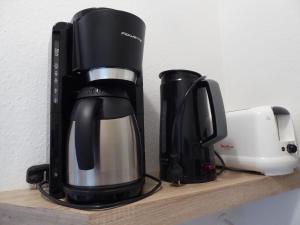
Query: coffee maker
(97, 157)
(192, 119)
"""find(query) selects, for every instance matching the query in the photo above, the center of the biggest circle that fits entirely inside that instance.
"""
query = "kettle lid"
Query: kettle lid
(171, 75)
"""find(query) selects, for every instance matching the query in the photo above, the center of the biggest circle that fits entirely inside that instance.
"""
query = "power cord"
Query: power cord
(47, 196)
(175, 171)
(223, 167)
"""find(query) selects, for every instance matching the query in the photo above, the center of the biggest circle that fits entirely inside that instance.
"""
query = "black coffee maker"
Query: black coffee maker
(192, 120)
(97, 154)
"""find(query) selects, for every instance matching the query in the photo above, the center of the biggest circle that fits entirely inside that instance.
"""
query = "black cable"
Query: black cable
(241, 170)
(175, 171)
(223, 167)
(47, 196)
(180, 111)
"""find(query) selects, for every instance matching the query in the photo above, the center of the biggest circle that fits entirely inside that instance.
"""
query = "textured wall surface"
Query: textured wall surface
(174, 39)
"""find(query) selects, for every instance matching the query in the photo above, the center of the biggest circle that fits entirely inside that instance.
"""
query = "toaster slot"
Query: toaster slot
(284, 124)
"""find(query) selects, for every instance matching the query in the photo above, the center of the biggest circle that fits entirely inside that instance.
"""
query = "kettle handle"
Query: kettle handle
(175, 170)
(217, 112)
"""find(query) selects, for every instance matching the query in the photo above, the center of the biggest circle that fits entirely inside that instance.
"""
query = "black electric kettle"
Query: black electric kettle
(192, 120)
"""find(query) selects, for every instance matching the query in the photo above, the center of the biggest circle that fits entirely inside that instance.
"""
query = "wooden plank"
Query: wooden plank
(171, 205)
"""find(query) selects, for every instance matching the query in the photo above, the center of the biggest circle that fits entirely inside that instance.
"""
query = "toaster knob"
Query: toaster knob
(291, 148)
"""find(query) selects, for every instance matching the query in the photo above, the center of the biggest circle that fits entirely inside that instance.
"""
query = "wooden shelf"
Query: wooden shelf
(171, 205)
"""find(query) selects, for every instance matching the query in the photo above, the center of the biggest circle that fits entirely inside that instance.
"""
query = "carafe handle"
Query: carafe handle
(86, 131)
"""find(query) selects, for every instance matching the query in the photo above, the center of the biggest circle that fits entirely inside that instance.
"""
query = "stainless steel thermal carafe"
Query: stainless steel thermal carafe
(104, 140)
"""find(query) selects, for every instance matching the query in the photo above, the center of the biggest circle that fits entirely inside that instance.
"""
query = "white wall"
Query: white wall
(178, 35)
(261, 66)
(261, 54)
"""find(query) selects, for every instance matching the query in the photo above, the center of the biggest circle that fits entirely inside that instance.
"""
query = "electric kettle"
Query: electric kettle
(192, 120)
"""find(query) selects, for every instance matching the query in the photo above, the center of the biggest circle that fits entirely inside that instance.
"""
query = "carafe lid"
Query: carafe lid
(102, 91)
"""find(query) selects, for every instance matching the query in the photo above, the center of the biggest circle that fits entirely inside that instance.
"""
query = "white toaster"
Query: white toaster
(260, 139)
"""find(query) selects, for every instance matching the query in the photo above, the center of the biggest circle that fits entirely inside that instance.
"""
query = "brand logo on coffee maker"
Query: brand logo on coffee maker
(131, 36)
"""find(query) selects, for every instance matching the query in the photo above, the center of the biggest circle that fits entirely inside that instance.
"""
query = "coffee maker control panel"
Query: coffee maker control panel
(55, 69)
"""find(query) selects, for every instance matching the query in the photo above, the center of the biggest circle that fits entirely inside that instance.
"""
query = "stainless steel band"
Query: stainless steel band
(112, 73)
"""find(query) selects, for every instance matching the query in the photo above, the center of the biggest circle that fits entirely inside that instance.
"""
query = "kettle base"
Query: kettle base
(192, 180)
(104, 194)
